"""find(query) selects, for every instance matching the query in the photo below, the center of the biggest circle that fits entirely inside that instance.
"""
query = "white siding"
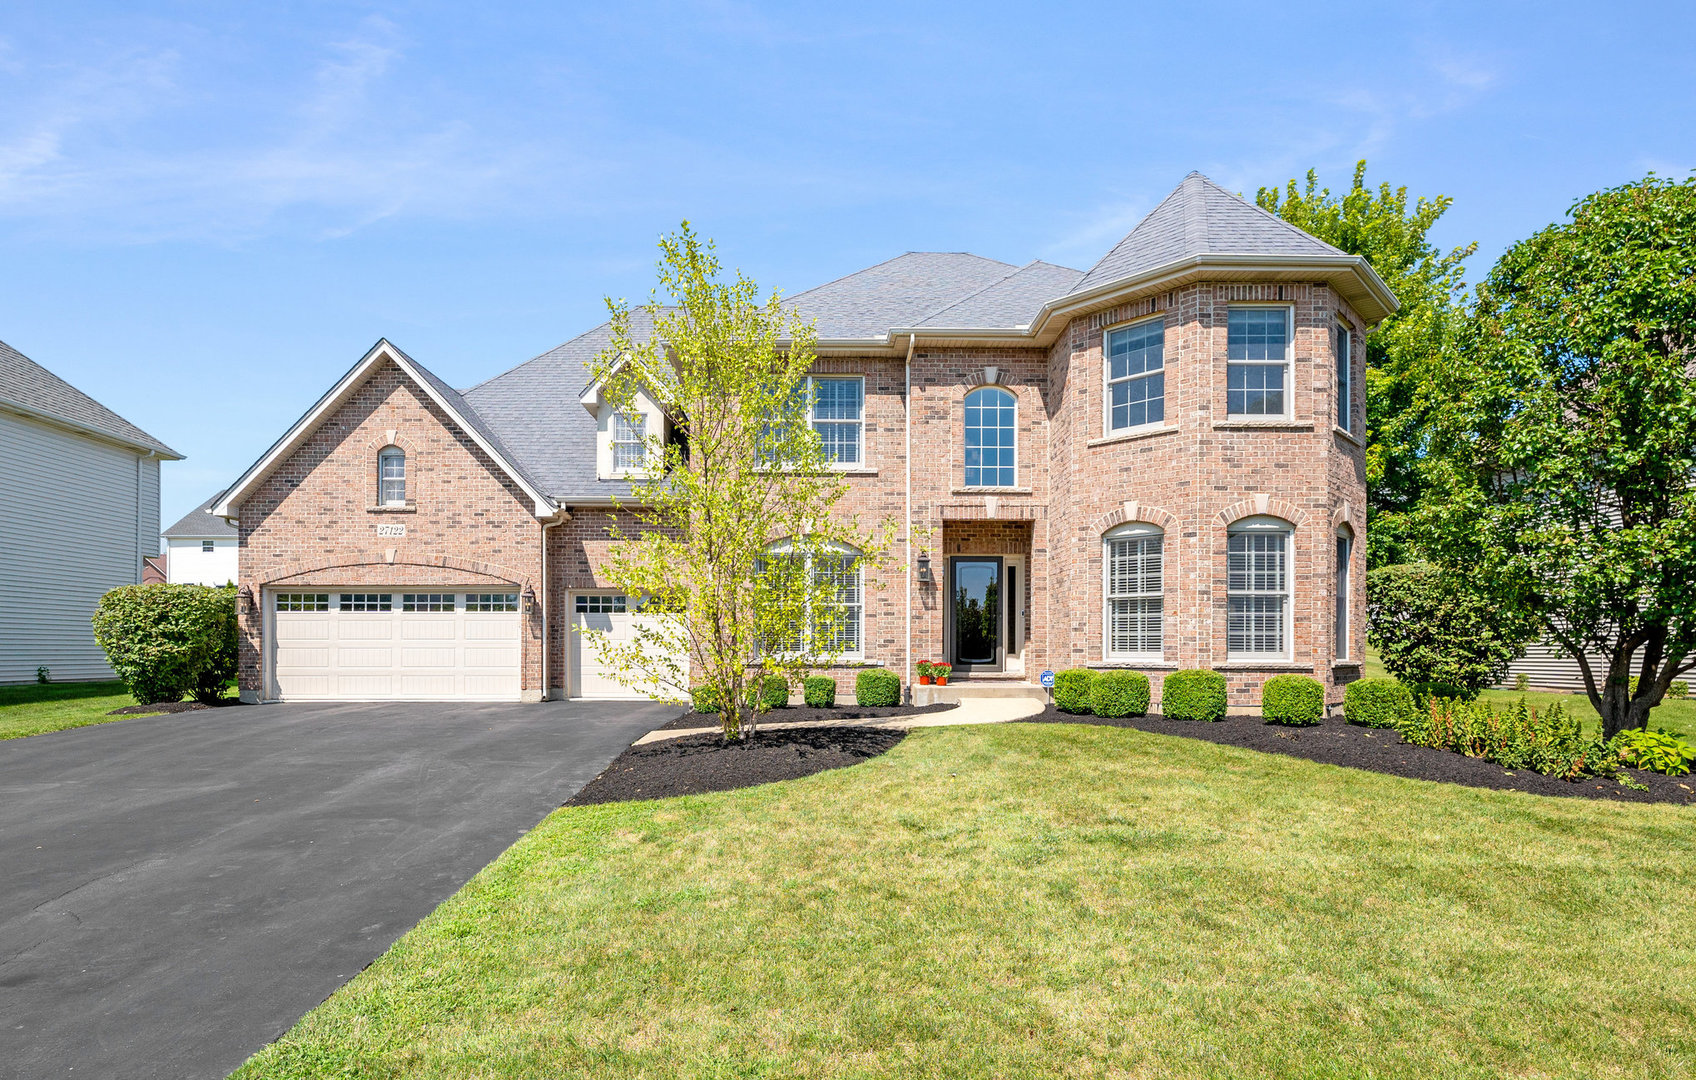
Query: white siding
(76, 517)
(187, 563)
(1551, 667)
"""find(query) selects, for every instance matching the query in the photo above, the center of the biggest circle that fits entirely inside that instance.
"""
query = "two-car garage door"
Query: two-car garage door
(365, 644)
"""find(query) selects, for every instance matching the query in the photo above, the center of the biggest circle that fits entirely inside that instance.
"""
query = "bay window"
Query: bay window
(1257, 375)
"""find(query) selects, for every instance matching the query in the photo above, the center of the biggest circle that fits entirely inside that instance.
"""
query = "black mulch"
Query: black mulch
(174, 707)
(794, 713)
(1336, 742)
(693, 764)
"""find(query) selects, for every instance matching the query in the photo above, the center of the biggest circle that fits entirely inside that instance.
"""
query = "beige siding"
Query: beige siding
(1551, 667)
(77, 516)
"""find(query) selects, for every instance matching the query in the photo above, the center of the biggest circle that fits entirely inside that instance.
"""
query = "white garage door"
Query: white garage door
(618, 617)
(343, 645)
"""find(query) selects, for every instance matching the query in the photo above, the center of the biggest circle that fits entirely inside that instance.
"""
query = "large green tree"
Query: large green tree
(1558, 476)
(1404, 352)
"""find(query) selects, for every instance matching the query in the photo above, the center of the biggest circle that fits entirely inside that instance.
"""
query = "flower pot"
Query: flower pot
(942, 680)
(924, 680)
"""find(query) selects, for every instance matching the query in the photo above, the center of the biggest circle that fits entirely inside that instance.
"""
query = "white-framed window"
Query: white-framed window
(1257, 588)
(598, 604)
(1345, 550)
(842, 631)
(391, 476)
(992, 424)
(1257, 352)
(629, 440)
(366, 602)
(208, 546)
(1132, 564)
(1136, 374)
(837, 408)
(491, 601)
(293, 601)
(426, 602)
(1345, 377)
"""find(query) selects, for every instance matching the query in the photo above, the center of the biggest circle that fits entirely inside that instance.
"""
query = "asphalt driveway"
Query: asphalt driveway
(176, 891)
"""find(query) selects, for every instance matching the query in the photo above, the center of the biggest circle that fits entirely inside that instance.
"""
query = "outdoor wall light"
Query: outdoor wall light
(924, 567)
(529, 599)
(246, 594)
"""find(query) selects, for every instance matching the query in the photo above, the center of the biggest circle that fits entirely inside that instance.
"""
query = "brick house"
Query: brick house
(1155, 464)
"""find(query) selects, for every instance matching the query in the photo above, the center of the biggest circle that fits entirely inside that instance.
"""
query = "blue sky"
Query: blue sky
(209, 211)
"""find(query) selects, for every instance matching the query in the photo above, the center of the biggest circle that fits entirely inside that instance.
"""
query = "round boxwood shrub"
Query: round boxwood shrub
(1119, 693)
(1071, 690)
(1195, 694)
(1297, 700)
(875, 687)
(705, 699)
(1380, 703)
(819, 691)
(167, 640)
(774, 693)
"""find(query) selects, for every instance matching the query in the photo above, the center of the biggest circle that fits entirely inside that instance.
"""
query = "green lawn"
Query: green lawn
(33, 709)
(1054, 901)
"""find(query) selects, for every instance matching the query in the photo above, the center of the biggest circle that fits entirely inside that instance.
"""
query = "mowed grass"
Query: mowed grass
(1048, 901)
(35, 708)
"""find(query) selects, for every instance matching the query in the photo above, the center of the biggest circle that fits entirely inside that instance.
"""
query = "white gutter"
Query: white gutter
(907, 571)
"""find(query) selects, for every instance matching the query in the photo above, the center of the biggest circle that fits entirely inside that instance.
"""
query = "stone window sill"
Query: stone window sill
(1130, 665)
(1268, 665)
(853, 470)
(409, 508)
(1132, 436)
(1260, 425)
(1335, 664)
(1349, 435)
(991, 491)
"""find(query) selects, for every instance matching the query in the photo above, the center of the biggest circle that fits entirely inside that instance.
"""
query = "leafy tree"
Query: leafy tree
(1559, 477)
(1430, 628)
(737, 552)
(1404, 352)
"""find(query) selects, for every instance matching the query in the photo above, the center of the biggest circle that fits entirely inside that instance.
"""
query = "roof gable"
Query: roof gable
(31, 388)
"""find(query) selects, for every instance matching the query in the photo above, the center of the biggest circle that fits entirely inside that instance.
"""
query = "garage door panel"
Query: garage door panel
(365, 658)
(365, 686)
(424, 628)
(295, 657)
(484, 658)
(427, 686)
(503, 628)
(428, 658)
(298, 627)
(364, 628)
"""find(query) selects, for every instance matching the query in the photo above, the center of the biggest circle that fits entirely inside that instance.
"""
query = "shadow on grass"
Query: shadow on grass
(32, 693)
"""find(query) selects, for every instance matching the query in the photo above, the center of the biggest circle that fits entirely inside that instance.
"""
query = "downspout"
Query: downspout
(140, 542)
(907, 571)
(547, 641)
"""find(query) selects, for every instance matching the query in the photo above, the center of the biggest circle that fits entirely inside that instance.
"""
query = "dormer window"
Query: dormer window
(391, 476)
(629, 441)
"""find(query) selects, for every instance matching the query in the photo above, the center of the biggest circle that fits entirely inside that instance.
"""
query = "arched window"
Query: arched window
(391, 476)
(1257, 587)
(991, 419)
(1133, 564)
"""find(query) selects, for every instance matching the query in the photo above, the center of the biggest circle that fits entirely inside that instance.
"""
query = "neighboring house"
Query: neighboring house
(153, 570)
(79, 512)
(1155, 464)
(201, 548)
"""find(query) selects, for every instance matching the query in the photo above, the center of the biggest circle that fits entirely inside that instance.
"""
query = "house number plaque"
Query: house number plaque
(394, 528)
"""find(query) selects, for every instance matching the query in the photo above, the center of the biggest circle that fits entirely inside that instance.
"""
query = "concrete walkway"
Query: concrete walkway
(971, 711)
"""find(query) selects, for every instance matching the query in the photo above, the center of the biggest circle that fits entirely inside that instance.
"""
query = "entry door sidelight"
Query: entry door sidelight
(975, 585)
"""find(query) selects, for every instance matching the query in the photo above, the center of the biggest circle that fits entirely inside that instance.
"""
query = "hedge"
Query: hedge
(705, 699)
(774, 693)
(1297, 700)
(1119, 693)
(819, 691)
(1379, 703)
(1195, 694)
(874, 688)
(1071, 690)
(165, 641)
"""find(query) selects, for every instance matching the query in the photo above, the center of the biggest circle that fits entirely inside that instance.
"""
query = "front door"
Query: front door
(975, 584)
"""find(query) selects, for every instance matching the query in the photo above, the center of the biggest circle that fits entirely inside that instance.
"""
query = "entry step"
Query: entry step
(956, 692)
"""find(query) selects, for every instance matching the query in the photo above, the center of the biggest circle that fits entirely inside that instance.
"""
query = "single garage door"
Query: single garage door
(618, 617)
(347, 645)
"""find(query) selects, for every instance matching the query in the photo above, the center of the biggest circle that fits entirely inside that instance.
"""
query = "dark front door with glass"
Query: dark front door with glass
(975, 586)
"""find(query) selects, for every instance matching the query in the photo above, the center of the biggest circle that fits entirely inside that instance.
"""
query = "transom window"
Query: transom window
(391, 477)
(1257, 589)
(629, 440)
(1135, 575)
(596, 604)
(488, 601)
(426, 602)
(1136, 376)
(1345, 373)
(367, 602)
(291, 601)
(1258, 361)
(991, 421)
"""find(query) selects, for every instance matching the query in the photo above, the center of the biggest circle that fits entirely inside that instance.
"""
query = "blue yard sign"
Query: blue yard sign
(1048, 680)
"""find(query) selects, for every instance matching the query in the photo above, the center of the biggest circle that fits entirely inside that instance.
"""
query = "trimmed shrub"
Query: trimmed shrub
(1296, 700)
(1379, 703)
(774, 693)
(819, 691)
(166, 640)
(1678, 689)
(876, 688)
(1118, 693)
(1433, 626)
(1071, 689)
(1522, 681)
(1195, 694)
(705, 699)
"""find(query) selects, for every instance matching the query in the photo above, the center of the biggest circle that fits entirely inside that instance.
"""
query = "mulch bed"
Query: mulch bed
(1336, 742)
(174, 707)
(797, 713)
(693, 764)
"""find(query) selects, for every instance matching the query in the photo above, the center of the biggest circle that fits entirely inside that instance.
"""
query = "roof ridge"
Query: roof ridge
(1269, 214)
(1015, 272)
(791, 298)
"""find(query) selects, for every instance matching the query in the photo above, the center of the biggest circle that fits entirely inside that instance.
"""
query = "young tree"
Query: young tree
(1404, 352)
(741, 561)
(1559, 477)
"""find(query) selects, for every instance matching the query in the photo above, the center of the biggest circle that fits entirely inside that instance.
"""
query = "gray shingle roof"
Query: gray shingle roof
(198, 524)
(900, 292)
(1012, 301)
(33, 388)
(1200, 218)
